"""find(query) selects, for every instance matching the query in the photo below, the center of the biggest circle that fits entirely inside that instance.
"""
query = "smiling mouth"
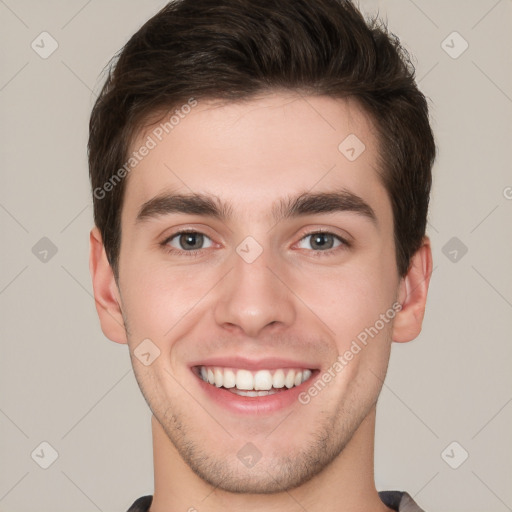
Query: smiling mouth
(253, 383)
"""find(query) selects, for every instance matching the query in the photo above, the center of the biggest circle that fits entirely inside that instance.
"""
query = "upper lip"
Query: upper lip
(267, 363)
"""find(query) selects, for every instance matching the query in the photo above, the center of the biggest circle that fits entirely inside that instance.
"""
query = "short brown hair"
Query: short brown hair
(235, 49)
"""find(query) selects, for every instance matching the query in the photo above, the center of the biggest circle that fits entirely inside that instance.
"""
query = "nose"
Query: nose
(254, 297)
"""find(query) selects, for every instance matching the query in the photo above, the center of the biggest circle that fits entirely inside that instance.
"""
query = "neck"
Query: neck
(346, 485)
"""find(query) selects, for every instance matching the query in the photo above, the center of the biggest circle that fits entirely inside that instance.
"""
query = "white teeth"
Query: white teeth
(244, 379)
(289, 380)
(229, 379)
(218, 377)
(252, 393)
(278, 379)
(262, 382)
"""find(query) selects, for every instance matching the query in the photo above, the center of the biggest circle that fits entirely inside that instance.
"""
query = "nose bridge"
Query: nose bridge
(252, 297)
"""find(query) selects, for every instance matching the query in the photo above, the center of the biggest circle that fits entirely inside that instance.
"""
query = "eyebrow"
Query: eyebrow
(303, 204)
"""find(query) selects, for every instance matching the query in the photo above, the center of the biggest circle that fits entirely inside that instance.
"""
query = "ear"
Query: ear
(412, 295)
(106, 293)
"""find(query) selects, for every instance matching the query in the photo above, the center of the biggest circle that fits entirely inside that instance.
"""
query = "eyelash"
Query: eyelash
(197, 252)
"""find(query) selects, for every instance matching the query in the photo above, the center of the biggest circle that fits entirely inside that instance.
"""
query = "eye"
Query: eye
(187, 241)
(321, 241)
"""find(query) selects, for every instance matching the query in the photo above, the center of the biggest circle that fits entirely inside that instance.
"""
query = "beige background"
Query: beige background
(62, 382)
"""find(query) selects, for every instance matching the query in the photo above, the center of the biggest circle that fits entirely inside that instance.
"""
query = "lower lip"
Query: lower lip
(254, 404)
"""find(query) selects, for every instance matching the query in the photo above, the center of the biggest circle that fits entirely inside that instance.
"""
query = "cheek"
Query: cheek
(157, 298)
(356, 304)
(350, 298)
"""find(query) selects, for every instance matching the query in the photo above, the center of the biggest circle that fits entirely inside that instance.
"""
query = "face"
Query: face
(287, 260)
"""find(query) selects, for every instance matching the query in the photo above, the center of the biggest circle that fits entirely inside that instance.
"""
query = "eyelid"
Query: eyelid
(345, 237)
(165, 242)
(197, 252)
(171, 233)
(344, 243)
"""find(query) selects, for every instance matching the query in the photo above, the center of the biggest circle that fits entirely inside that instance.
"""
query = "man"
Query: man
(261, 174)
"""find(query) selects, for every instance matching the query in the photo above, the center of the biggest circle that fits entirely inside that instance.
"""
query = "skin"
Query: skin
(294, 301)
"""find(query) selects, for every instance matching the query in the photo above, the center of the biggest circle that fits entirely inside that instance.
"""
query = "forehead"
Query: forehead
(254, 152)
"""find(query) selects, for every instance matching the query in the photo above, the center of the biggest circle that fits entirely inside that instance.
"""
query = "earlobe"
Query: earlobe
(106, 294)
(413, 295)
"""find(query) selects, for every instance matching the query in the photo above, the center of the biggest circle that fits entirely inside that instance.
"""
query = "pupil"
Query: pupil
(194, 239)
(319, 241)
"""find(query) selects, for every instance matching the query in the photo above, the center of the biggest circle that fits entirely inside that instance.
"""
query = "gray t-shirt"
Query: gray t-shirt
(396, 500)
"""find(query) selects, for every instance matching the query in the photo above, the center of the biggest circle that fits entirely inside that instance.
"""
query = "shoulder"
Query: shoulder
(141, 505)
(399, 501)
